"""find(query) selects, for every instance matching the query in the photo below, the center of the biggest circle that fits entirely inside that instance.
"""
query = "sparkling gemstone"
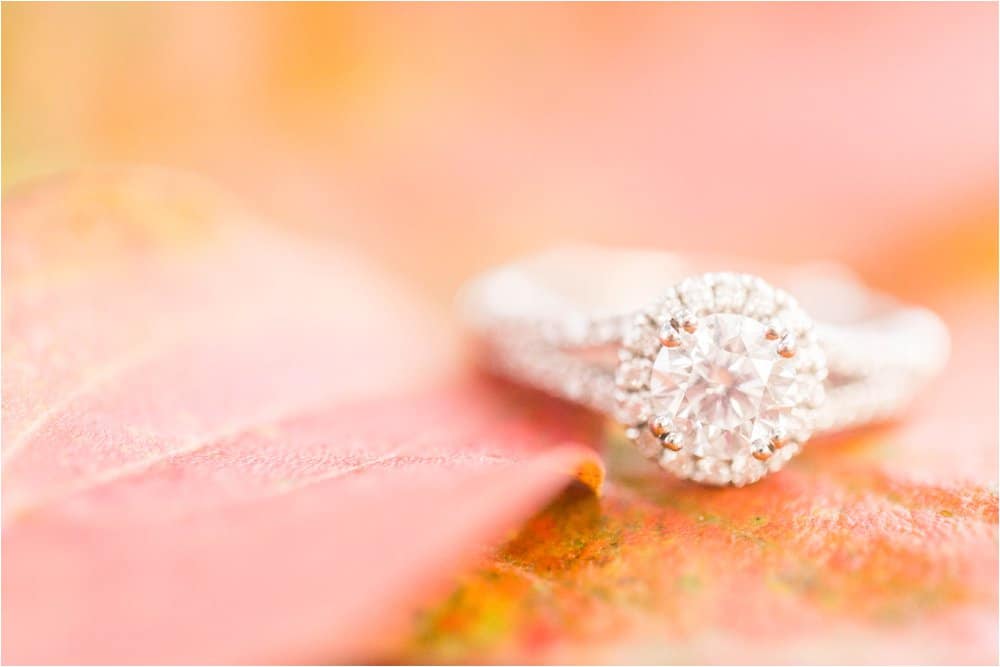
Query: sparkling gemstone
(682, 465)
(760, 298)
(632, 409)
(794, 319)
(632, 374)
(642, 340)
(695, 294)
(729, 294)
(713, 471)
(726, 386)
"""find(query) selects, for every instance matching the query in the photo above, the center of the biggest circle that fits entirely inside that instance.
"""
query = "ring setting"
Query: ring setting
(721, 380)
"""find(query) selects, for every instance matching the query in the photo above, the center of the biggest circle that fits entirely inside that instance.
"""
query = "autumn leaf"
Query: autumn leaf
(875, 546)
(221, 444)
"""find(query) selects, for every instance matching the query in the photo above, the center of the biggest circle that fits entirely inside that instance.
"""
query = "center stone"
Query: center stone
(725, 386)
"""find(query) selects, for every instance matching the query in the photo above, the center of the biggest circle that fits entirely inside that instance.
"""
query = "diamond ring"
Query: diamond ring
(720, 377)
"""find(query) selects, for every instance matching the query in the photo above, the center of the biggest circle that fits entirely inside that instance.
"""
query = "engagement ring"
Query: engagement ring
(720, 377)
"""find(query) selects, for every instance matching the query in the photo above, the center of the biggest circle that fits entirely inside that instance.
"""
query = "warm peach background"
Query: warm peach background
(439, 139)
(442, 138)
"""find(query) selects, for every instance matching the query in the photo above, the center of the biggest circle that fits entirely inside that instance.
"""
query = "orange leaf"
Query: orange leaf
(873, 547)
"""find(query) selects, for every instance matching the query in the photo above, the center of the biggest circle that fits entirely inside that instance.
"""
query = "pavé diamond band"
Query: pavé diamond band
(720, 377)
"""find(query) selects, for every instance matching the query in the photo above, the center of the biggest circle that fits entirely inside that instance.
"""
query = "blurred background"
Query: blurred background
(433, 140)
(441, 138)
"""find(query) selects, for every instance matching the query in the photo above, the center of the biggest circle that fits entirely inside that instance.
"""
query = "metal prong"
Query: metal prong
(669, 336)
(762, 450)
(660, 425)
(672, 441)
(684, 319)
(773, 331)
(787, 347)
(779, 438)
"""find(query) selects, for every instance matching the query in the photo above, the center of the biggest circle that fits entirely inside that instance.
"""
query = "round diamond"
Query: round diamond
(725, 371)
(726, 386)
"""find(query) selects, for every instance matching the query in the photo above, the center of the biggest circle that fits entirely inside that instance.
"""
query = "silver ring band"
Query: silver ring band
(561, 321)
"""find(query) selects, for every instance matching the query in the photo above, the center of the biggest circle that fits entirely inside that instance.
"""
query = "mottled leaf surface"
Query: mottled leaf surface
(878, 546)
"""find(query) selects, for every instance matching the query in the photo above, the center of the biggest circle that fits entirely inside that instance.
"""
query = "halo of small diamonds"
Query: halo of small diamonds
(721, 380)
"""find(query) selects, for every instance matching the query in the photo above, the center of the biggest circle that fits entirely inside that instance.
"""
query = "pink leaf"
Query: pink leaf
(221, 444)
